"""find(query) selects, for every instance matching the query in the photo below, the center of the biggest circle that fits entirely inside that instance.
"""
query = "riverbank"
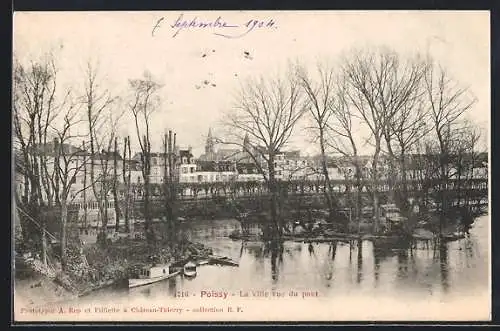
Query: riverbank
(326, 238)
(38, 290)
(317, 229)
(94, 268)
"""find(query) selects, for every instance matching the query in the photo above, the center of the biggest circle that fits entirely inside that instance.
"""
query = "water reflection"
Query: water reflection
(402, 258)
(334, 268)
(360, 261)
(443, 263)
(310, 249)
(172, 286)
(376, 268)
(275, 250)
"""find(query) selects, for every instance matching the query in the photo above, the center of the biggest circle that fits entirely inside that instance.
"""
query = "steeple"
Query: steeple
(209, 146)
(246, 143)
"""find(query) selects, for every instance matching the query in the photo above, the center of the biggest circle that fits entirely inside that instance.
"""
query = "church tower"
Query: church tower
(246, 143)
(247, 149)
(209, 145)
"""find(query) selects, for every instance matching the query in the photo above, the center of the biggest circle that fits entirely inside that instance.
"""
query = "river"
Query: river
(337, 272)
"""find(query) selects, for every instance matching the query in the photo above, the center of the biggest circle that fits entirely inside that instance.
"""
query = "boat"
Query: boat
(422, 234)
(203, 262)
(452, 236)
(189, 269)
(223, 260)
(152, 274)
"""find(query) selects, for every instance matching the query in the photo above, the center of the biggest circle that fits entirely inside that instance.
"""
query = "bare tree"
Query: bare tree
(144, 103)
(126, 173)
(115, 185)
(266, 110)
(423, 171)
(407, 125)
(97, 102)
(342, 138)
(321, 93)
(447, 102)
(35, 108)
(170, 182)
(380, 84)
(68, 162)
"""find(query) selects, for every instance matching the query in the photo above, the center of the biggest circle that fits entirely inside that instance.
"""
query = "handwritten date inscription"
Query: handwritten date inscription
(218, 27)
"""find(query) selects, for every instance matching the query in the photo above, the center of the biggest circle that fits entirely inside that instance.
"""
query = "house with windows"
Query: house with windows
(248, 172)
(215, 171)
(186, 166)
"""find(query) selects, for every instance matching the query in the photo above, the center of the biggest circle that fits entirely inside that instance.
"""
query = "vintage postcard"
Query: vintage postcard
(251, 166)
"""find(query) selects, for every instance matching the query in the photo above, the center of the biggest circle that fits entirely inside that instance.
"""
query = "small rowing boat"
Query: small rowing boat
(203, 262)
(223, 260)
(189, 269)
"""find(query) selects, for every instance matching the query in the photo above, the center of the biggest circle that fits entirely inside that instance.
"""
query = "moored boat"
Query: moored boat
(223, 260)
(203, 262)
(152, 274)
(452, 236)
(189, 269)
(422, 234)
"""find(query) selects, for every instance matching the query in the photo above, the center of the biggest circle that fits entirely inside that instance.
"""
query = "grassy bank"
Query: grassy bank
(93, 267)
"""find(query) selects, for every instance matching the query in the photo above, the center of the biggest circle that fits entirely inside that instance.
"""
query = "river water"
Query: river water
(338, 273)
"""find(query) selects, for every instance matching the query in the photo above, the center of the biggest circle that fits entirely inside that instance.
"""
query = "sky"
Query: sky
(124, 46)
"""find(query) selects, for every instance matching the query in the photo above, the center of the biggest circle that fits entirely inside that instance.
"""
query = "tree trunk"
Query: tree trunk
(276, 223)
(443, 194)
(85, 194)
(391, 176)
(126, 181)
(404, 184)
(359, 196)
(106, 215)
(44, 235)
(44, 245)
(146, 172)
(375, 181)
(328, 189)
(115, 184)
(169, 188)
(167, 183)
(64, 220)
